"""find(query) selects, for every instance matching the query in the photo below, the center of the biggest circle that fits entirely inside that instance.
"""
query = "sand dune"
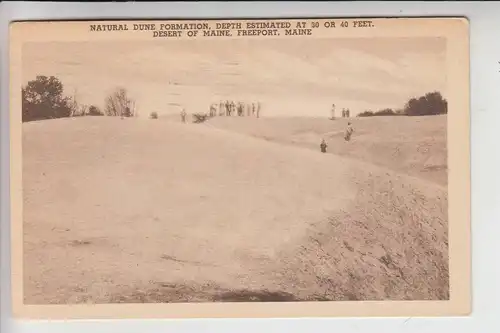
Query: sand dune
(151, 210)
(414, 146)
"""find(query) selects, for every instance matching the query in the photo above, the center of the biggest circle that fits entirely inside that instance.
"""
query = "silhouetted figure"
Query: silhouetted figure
(221, 108)
(240, 109)
(323, 146)
(213, 110)
(348, 132)
(126, 113)
(232, 108)
(183, 115)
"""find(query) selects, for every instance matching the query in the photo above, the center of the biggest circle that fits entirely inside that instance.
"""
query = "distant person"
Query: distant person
(258, 109)
(221, 108)
(183, 115)
(232, 108)
(323, 146)
(213, 110)
(127, 112)
(241, 110)
(348, 132)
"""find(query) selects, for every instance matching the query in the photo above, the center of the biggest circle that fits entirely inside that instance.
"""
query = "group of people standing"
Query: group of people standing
(346, 113)
(231, 108)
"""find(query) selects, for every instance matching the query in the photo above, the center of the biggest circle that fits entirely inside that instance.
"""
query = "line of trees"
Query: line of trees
(431, 103)
(43, 98)
(383, 112)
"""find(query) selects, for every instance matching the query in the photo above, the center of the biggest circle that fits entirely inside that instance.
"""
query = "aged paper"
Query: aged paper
(240, 168)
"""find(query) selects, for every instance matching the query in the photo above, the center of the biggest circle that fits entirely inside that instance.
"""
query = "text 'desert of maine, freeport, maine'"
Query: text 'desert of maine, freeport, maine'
(240, 168)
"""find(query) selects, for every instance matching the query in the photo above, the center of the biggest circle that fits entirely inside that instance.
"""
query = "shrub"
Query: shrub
(366, 114)
(385, 112)
(118, 104)
(94, 111)
(153, 115)
(199, 118)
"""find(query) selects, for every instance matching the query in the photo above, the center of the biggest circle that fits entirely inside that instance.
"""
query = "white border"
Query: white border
(485, 119)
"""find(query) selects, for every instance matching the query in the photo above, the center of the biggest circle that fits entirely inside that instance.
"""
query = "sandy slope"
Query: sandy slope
(145, 210)
(410, 145)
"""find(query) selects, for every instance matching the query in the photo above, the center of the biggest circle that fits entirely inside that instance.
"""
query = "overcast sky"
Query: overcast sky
(289, 77)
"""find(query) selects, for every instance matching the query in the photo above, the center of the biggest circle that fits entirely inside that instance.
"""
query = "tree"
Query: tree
(385, 112)
(436, 104)
(412, 107)
(118, 104)
(43, 98)
(430, 104)
(94, 111)
(366, 114)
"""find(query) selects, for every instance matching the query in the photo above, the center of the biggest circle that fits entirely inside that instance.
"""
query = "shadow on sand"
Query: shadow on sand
(179, 293)
(254, 296)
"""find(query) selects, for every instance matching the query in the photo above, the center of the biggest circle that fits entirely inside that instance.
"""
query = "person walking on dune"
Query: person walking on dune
(323, 146)
(348, 132)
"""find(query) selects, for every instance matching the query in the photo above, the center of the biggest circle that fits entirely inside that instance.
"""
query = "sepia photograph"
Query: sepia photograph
(305, 161)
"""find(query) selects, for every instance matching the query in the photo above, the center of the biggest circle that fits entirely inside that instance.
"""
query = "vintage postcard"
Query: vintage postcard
(240, 168)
